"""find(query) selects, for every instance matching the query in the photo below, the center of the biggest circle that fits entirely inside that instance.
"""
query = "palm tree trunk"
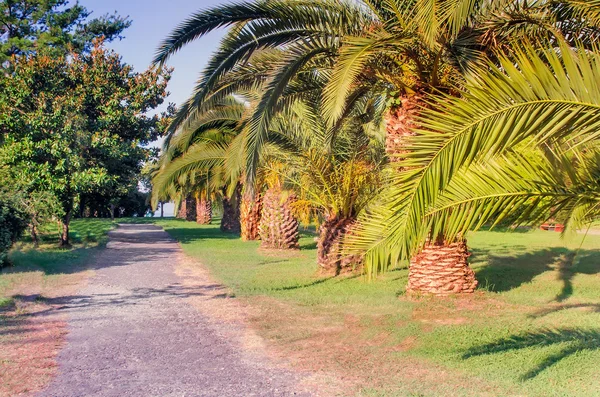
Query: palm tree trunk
(190, 208)
(400, 122)
(278, 226)
(203, 211)
(250, 213)
(230, 223)
(442, 269)
(329, 244)
(182, 210)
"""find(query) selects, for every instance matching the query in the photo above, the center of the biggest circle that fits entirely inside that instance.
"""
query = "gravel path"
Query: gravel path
(133, 332)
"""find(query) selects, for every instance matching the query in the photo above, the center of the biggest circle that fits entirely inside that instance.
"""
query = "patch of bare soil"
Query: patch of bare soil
(342, 349)
(455, 310)
(333, 348)
(234, 318)
(32, 332)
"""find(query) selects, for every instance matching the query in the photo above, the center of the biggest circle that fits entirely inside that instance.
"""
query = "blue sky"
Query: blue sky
(153, 20)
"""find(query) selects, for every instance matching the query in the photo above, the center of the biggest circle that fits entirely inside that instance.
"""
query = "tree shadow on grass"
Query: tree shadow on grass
(574, 340)
(302, 286)
(504, 273)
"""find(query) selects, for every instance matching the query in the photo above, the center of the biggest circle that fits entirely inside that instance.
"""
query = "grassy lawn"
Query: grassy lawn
(34, 269)
(533, 328)
(31, 331)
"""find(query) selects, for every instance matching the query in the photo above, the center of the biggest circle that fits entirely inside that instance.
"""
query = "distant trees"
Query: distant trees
(54, 27)
(73, 124)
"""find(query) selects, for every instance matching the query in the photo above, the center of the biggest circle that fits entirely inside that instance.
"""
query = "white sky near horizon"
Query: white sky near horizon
(153, 20)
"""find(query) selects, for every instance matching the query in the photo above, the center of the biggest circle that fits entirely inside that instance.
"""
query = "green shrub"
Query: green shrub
(13, 222)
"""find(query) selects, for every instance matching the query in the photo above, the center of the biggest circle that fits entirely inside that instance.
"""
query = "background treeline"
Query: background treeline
(73, 123)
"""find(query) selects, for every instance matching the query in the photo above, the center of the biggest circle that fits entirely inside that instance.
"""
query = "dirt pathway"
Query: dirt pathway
(134, 332)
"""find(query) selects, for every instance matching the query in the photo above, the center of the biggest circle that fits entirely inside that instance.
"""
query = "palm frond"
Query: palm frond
(542, 98)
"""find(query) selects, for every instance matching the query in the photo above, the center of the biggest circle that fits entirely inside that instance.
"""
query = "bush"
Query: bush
(13, 222)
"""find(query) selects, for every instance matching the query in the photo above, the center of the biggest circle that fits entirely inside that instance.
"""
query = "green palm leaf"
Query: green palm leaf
(541, 98)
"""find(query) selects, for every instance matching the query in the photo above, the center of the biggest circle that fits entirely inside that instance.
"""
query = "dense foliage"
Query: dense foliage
(413, 67)
(75, 126)
(13, 222)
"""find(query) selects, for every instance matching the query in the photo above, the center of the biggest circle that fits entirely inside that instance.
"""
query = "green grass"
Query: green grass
(37, 268)
(534, 329)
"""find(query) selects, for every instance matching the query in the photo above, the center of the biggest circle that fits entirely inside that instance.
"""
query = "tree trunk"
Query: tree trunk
(34, 234)
(182, 209)
(112, 212)
(329, 245)
(399, 123)
(190, 209)
(203, 211)
(162, 209)
(250, 214)
(230, 223)
(442, 269)
(64, 234)
(278, 227)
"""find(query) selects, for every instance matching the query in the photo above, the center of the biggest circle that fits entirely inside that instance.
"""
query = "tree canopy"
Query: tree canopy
(76, 125)
(53, 26)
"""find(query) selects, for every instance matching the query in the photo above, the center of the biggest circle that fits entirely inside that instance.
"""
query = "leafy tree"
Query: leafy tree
(13, 221)
(53, 26)
(76, 125)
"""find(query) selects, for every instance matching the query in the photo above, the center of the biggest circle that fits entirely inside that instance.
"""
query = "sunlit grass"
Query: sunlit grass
(44, 265)
(532, 329)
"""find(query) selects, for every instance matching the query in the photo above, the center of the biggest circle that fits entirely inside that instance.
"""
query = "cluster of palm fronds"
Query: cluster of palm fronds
(505, 126)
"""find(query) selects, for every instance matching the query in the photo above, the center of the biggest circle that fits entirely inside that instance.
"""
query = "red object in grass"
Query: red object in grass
(557, 227)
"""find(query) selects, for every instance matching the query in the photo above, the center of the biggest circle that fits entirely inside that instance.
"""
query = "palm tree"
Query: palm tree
(521, 143)
(279, 225)
(401, 49)
(329, 184)
(195, 163)
(408, 48)
(203, 209)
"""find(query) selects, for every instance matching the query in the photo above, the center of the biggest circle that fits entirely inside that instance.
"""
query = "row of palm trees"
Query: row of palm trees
(397, 125)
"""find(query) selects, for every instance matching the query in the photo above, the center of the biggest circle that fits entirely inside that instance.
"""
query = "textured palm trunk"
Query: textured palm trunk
(250, 214)
(441, 268)
(203, 211)
(230, 223)
(182, 210)
(329, 246)
(278, 227)
(400, 122)
(190, 209)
